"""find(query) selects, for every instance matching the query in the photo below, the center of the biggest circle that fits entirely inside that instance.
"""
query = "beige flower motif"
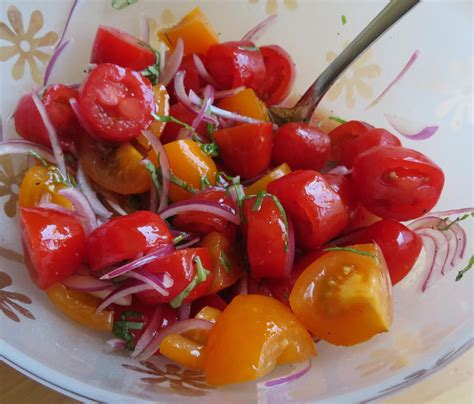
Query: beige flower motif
(10, 301)
(354, 79)
(271, 6)
(9, 185)
(24, 43)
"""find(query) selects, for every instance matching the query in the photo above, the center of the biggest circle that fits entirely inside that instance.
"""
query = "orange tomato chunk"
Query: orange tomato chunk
(245, 103)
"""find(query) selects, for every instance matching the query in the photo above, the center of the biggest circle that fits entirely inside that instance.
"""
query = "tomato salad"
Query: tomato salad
(165, 207)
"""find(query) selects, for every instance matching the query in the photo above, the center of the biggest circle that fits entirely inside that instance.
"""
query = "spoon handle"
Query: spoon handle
(392, 12)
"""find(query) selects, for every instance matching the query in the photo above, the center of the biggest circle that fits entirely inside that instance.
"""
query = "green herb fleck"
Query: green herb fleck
(239, 192)
(469, 265)
(154, 175)
(205, 182)
(183, 184)
(121, 4)
(224, 260)
(258, 201)
(343, 19)
(285, 219)
(178, 239)
(222, 176)
(447, 225)
(38, 157)
(152, 72)
(201, 276)
(352, 250)
(127, 322)
(169, 118)
(248, 48)
(210, 149)
(210, 129)
(337, 119)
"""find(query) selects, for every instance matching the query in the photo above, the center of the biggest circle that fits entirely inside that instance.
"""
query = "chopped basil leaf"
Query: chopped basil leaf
(224, 260)
(352, 250)
(131, 315)
(337, 119)
(210, 149)
(178, 239)
(447, 225)
(151, 73)
(221, 175)
(154, 175)
(169, 118)
(210, 129)
(248, 48)
(205, 182)
(285, 220)
(38, 157)
(120, 4)
(343, 19)
(239, 191)
(469, 265)
(201, 276)
(182, 184)
(258, 201)
(121, 328)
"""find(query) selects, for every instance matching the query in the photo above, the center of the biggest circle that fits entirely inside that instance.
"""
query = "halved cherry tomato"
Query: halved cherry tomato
(261, 184)
(116, 103)
(80, 307)
(190, 164)
(344, 297)
(343, 134)
(235, 64)
(195, 31)
(124, 237)
(39, 181)
(204, 223)
(266, 230)
(397, 183)
(245, 103)
(183, 114)
(182, 267)
(280, 74)
(317, 212)
(30, 126)
(246, 149)
(54, 245)
(400, 246)
(301, 146)
(254, 333)
(226, 266)
(116, 168)
(367, 140)
(112, 45)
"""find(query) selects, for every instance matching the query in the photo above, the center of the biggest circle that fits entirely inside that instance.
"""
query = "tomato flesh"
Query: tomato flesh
(342, 135)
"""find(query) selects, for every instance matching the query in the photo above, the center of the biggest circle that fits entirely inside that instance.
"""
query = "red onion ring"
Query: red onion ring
(188, 243)
(201, 69)
(214, 208)
(68, 20)
(228, 93)
(234, 194)
(139, 262)
(54, 58)
(176, 328)
(153, 280)
(208, 101)
(102, 294)
(23, 147)
(144, 28)
(84, 125)
(114, 344)
(410, 129)
(255, 33)
(121, 292)
(340, 170)
(86, 188)
(148, 334)
(173, 64)
(82, 207)
(184, 312)
(86, 283)
(289, 378)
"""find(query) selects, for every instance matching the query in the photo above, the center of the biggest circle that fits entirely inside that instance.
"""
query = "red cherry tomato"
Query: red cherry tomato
(204, 223)
(235, 64)
(181, 267)
(124, 237)
(112, 45)
(400, 246)
(246, 149)
(267, 238)
(183, 114)
(30, 126)
(397, 183)
(367, 140)
(343, 134)
(192, 78)
(342, 185)
(54, 245)
(279, 77)
(317, 212)
(116, 102)
(300, 146)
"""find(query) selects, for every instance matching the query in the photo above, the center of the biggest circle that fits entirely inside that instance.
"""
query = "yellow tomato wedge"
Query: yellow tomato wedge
(245, 103)
(184, 351)
(261, 184)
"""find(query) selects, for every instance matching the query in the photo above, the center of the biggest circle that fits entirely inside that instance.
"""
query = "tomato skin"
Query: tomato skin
(116, 103)
(267, 239)
(112, 45)
(30, 126)
(317, 212)
(343, 135)
(183, 114)
(204, 223)
(54, 245)
(301, 146)
(235, 64)
(125, 237)
(367, 140)
(400, 246)
(280, 74)
(262, 183)
(397, 183)
(246, 149)
(180, 267)
(342, 185)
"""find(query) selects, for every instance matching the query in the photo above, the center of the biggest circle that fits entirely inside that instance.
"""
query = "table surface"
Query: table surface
(453, 385)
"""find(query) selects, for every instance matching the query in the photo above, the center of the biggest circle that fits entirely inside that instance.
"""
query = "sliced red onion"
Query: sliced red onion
(208, 101)
(228, 93)
(82, 207)
(75, 107)
(173, 64)
(23, 147)
(162, 50)
(201, 69)
(339, 170)
(290, 255)
(451, 212)
(126, 290)
(144, 28)
(160, 282)
(57, 208)
(164, 165)
(185, 99)
(139, 262)
(115, 206)
(291, 377)
(114, 345)
(461, 238)
(442, 249)
(188, 244)
(68, 20)
(148, 334)
(102, 294)
(53, 137)
(54, 58)
(153, 199)
(411, 129)
(255, 33)
(176, 328)
(407, 66)
(86, 283)
(184, 311)
(89, 193)
(235, 191)
(189, 205)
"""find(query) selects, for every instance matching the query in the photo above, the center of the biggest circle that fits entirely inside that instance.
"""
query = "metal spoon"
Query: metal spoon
(304, 108)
